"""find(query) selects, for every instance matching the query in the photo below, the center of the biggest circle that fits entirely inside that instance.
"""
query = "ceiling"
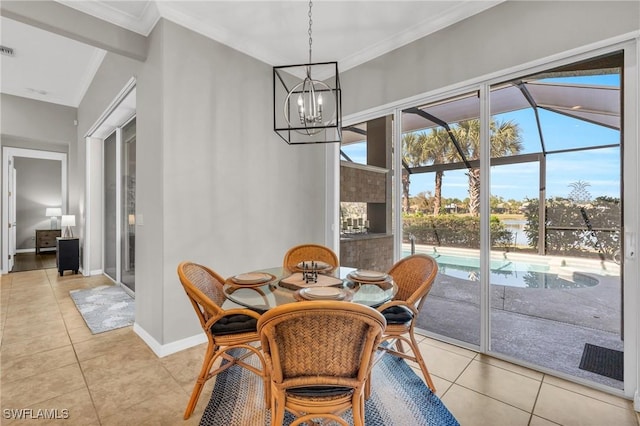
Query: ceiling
(52, 68)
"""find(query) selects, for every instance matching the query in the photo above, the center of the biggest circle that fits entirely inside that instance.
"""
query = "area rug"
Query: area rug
(104, 308)
(603, 361)
(399, 398)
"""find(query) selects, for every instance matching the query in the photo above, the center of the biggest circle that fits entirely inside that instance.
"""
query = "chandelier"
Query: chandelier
(307, 109)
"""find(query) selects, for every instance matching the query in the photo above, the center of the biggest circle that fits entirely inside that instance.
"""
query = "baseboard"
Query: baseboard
(27, 250)
(96, 272)
(170, 348)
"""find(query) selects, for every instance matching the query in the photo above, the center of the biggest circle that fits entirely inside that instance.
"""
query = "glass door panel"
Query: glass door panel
(556, 219)
(440, 210)
(110, 206)
(128, 205)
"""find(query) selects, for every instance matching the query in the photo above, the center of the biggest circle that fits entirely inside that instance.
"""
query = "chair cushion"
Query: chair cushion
(234, 324)
(397, 315)
(319, 391)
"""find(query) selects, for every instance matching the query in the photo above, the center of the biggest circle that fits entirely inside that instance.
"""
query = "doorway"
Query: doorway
(111, 191)
(10, 220)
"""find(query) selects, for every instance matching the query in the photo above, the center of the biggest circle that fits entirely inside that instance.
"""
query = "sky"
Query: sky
(599, 168)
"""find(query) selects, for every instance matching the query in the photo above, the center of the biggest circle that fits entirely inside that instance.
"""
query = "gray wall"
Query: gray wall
(212, 185)
(31, 124)
(509, 34)
(38, 186)
(112, 75)
(229, 190)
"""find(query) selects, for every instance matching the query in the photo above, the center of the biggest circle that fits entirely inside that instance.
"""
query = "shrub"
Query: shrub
(453, 230)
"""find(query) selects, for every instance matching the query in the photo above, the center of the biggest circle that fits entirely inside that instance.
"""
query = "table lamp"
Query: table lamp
(68, 220)
(53, 213)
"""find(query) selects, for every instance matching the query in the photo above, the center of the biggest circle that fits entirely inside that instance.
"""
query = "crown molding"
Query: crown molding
(417, 31)
(142, 24)
(216, 33)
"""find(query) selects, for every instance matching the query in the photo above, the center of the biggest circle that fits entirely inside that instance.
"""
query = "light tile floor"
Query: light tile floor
(49, 360)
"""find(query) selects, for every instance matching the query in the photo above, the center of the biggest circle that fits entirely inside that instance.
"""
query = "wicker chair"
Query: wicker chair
(306, 252)
(225, 329)
(319, 354)
(414, 276)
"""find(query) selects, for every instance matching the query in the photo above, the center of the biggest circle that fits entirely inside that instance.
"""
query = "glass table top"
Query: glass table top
(272, 293)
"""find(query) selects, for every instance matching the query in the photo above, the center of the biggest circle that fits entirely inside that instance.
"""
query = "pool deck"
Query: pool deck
(545, 327)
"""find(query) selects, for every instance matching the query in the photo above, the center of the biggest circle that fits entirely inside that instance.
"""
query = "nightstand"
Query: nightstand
(68, 254)
(46, 238)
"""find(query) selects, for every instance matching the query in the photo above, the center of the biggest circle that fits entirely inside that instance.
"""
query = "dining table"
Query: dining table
(263, 289)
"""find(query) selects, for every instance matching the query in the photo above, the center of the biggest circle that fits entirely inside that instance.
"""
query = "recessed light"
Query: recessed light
(38, 91)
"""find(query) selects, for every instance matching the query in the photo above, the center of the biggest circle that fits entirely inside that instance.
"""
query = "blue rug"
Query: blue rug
(399, 398)
(105, 307)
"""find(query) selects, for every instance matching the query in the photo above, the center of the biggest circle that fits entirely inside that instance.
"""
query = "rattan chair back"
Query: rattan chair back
(306, 252)
(204, 287)
(414, 276)
(319, 344)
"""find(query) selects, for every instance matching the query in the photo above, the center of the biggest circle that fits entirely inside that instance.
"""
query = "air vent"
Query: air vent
(6, 51)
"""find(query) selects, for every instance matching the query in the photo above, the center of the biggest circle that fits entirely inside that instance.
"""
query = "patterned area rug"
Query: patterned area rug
(104, 308)
(399, 398)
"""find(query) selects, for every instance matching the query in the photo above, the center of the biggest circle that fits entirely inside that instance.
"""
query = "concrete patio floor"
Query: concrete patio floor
(544, 327)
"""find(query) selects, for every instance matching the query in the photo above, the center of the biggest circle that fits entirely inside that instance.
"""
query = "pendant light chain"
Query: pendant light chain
(310, 22)
(311, 111)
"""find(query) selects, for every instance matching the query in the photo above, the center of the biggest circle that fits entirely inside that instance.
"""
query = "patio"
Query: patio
(543, 327)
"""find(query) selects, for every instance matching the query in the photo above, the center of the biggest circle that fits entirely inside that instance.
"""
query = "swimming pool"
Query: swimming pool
(511, 273)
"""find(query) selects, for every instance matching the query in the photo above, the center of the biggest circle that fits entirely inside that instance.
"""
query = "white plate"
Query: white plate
(322, 293)
(252, 278)
(319, 265)
(370, 275)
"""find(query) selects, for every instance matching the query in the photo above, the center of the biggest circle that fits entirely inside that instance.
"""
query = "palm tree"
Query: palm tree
(505, 140)
(413, 155)
(433, 147)
(437, 145)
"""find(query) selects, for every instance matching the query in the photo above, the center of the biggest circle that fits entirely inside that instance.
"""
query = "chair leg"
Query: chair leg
(367, 387)
(200, 381)
(421, 363)
(277, 411)
(357, 409)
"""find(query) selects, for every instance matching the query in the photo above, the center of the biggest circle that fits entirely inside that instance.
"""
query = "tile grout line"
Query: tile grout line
(75, 353)
(535, 401)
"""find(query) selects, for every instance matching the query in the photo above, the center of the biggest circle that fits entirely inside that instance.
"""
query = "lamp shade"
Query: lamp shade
(68, 220)
(53, 211)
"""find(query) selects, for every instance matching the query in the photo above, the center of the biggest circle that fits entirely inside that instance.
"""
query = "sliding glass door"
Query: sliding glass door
(110, 206)
(440, 209)
(537, 279)
(119, 151)
(556, 198)
(128, 206)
